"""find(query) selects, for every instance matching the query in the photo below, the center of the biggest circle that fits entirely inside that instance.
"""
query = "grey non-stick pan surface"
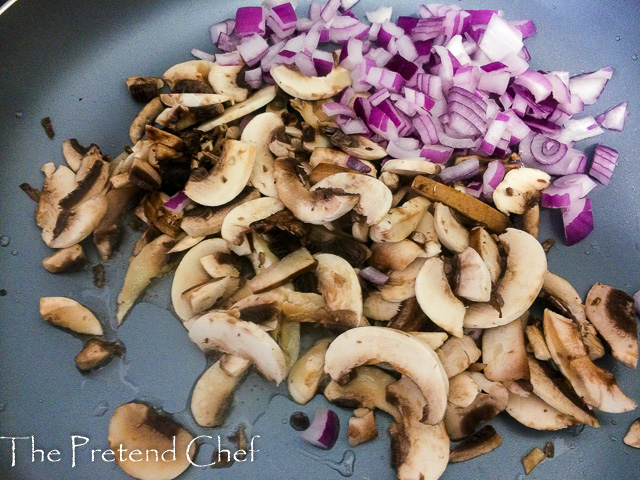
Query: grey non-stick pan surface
(68, 60)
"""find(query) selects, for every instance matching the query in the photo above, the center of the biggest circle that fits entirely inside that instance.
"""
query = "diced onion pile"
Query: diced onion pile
(446, 83)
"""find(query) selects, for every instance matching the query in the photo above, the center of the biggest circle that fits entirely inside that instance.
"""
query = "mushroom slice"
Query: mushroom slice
(529, 221)
(401, 284)
(518, 287)
(146, 116)
(295, 306)
(311, 112)
(106, 236)
(375, 196)
(357, 146)
(213, 392)
(186, 243)
(73, 152)
(451, 233)
(259, 131)
(152, 261)
(400, 222)
(362, 427)
(394, 255)
(504, 352)
(457, 353)
(330, 156)
(340, 288)
(143, 175)
(434, 339)
(90, 180)
(224, 80)
(483, 441)
(190, 273)
(311, 88)
(473, 280)
(554, 389)
(220, 264)
(632, 438)
(189, 77)
(366, 388)
(596, 386)
(307, 373)
(205, 295)
(436, 299)
(537, 342)
(376, 308)
(318, 207)
(67, 313)
(520, 190)
(611, 312)
(425, 235)
(463, 390)
(289, 340)
(410, 167)
(533, 412)
(97, 353)
(237, 222)
(226, 179)
(408, 355)
(70, 259)
(563, 292)
(482, 242)
(291, 266)
(144, 89)
(138, 427)
(418, 451)
(195, 101)
(532, 459)
(220, 331)
(255, 102)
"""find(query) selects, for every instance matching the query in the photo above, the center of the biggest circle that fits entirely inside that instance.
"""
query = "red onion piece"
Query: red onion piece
(566, 190)
(604, 163)
(576, 129)
(492, 177)
(373, 276)
(526, 27)
(355, 126)
(466, 169)
(229, 59)
(252, 49)
(536, 83)
(253, 78)
(436, 153)
(614, 118)
(249, 21)
(209, 57)
(500, 39)
(589, 86)
(324, 429)
(578, 221)
(358, 165)
(177, 202)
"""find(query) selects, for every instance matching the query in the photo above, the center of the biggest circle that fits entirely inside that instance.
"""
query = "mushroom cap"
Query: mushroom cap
(224, 80)
(259, 131)
(311, 88)
(67, 313)
(238, 221)
(520, 190)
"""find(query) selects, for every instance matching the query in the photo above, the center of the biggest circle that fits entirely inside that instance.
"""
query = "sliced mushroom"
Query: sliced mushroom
(366, 388)
(186, 243)
(473, 280)
(434, 339)
(318, 207)
(311, 112)
(255, 102)
(106, 235)
(529, 221)
(451, 233)
(189, 77)
(362, 427)
(375, 197)
(537, 343)
(219, 331)
(376, 308)
(401, 284)
(394, 255)
(611, 312)
(67, 313)
(194, 100)
(213, 392)
(358, 146)
(425, 234)
(138, 427)
(73, 152)
(520, 190)
(504, 352)
(311, 88)
(97, 353)
(457, 353)
(261, 255)
(533, 412)
(226, 179)
(307, 373)
(291, 266)
(237, 222)
(518, 287)
(596, 386)
(410, 356)
(146, 116)
(563, 292)
(259, 131)
(554, 389)
(152, 261)
(144, 89)
(410, 167)
(482, 242)
(532, 459)
(204, 296)
(340, 288)
(400, 222)
(224, 80)
(436, 299)
(483, 441)
(70, 259)
(632, 438)
(463, 390)
(329, 156)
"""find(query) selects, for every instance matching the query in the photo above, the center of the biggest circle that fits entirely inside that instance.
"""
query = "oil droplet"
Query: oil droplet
(613, 422)
(40, 401)
(14, 252)
(19, 114)
(613, 439)
(634, 57)
(3, 293)
(344, 467)
(100, 409)
(4, 241)
(618, 38)
(587, 252)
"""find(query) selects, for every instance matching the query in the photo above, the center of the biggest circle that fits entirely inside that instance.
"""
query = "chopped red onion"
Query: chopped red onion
(614, 118)
(358, 165)
(578, 221)
(436, 153)
(253, 78)
(249, 21)
(466, 169)
(253, 49)
(305, 65)
(536, 83)
(492, 177)
(589, 86)
(229, 59)
(225, 27)
(566, 190)
(177, 202)
(329, 11)
(526, 27)
(324, 429)
(604, 163)
(576, 129)
(355, 126)
(209, 57)
(333, 108)
(373, 275)
(381, 15)
(500, 39)
(395, 150)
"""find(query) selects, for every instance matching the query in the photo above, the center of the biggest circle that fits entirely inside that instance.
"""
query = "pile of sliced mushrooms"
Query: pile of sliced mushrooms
(423, 291)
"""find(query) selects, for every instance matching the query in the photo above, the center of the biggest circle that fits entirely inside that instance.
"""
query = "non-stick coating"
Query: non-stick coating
(68, 60)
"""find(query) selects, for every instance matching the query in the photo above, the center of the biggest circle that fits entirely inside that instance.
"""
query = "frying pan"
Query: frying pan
(68, 60)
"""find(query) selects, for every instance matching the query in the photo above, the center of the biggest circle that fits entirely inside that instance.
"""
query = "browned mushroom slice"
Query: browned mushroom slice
(400, 285)
(463, 390)
(138, 427)
(291, 266)
(394, 255)
(310, 88)
(483, 441)
(144, 89)
(97, 353)
(213, 392)
(632, 438)
(362, 427)
(307, 373)
(67, 313)
(457, 353)
(529, 221)
(377, 308)
(259, 131)
(451, 233)
(338, 159)
(238, 221)
(400, 222)
(611, 312)
(535, 413)
(205, 295)
(189, 77)
(224, 80)
(106, 236)
(520, 190)
(147, 116)
(425, 235)
(537, 343)
(70, 259)
(532, 459)
(73, 152)
(357, 146)
(482, 242)
(177, 118)
(255, 102)
(473, 279)
(504, 352)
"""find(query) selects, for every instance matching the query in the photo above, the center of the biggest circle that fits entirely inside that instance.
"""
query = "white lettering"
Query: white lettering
(75, 445)
(189, 452)
(172, 451)
(35, 450)
(251, 449)
(13, 446)
(135, 452)
(109, 452)
(53, 453)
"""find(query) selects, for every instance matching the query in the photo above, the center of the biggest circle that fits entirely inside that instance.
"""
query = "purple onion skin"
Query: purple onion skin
(323, 431)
